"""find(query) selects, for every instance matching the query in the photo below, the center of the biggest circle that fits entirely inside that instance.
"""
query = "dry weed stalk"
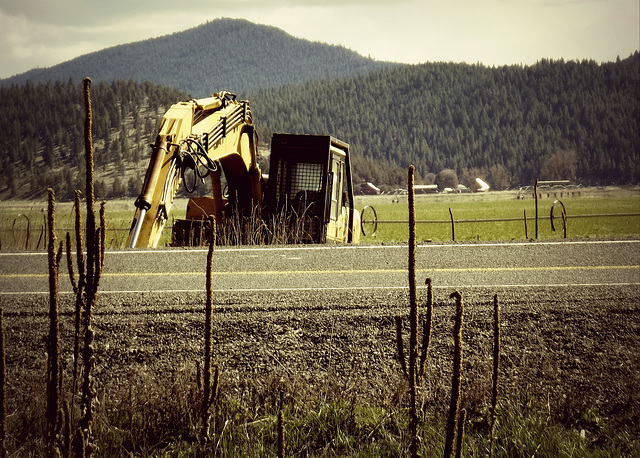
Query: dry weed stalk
(496, 367)
(3, 386)
(86, 288)
(414, 372)
(281, 443)
(413, 315)
(280, 426)
(54, 376)
(460, 432)
(78, 289)
(66, 429)
(457, 372)
(209, 389)
(426, 331)
(198, 376)
(400, 347)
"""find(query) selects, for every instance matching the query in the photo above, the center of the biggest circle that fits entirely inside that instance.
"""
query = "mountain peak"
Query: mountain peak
(233, 54)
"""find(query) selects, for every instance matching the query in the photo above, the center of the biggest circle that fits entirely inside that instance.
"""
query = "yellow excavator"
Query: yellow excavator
(308, 186)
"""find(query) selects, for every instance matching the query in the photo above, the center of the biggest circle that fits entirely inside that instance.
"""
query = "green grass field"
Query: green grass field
(504, 206)
(22, 223)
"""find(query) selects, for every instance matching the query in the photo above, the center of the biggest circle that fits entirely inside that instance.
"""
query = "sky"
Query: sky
(42, 33)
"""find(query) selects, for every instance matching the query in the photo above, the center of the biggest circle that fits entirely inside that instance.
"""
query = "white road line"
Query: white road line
(352, 247)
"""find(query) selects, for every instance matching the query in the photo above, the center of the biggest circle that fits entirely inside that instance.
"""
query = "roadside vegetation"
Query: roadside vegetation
(195, 411)
(161, 422)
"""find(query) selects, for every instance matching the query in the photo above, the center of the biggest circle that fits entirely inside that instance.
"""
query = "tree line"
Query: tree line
(42, 135)
(510, 124)
(507, 125)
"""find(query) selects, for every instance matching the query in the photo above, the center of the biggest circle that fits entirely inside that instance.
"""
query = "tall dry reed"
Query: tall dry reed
(54, 376)
(209, 389)
(3, 387)
(496, 369)
(86, 289)
(452, 418)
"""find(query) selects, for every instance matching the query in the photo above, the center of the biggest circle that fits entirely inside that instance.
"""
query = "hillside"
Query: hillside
(42, 137)
(507, 125)
(224, 54)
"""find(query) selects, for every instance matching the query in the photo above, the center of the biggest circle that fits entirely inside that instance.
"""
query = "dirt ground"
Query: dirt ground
(575, 349)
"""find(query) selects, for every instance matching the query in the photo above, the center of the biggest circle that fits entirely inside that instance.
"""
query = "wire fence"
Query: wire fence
(28, 233)
(370, 224)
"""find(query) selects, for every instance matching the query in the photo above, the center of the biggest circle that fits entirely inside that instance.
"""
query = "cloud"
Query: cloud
(496, 32)
(23, 43)
(27, 42)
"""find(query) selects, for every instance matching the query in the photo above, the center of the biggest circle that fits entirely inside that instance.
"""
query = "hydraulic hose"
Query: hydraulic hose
(192, 155)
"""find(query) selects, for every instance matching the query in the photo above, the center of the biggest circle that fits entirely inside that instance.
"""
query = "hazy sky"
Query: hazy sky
(42, 33)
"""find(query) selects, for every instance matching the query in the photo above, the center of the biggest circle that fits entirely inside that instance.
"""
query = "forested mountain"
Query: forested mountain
(508, 125)
(224, 54)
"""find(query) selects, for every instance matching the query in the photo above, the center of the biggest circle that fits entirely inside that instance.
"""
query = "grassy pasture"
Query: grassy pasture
(502, 206)
(21, 219)
(22, 223)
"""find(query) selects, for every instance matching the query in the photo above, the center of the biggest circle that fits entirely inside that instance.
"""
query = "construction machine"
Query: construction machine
(308, 187)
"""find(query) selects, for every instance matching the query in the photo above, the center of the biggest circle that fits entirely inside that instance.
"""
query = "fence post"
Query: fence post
(453, 227)
(535, 192)
(526, 234)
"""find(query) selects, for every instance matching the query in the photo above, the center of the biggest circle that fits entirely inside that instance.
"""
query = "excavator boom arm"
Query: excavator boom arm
(206, 135)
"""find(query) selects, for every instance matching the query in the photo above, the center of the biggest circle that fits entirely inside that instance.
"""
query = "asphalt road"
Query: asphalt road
(547, 264)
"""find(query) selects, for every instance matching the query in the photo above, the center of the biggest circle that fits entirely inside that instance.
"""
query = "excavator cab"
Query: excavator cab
(310, 188)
